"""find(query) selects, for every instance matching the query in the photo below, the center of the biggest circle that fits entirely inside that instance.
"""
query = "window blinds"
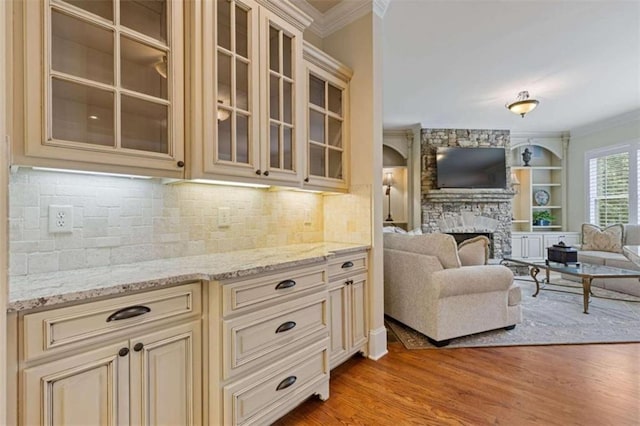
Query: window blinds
(609, 189)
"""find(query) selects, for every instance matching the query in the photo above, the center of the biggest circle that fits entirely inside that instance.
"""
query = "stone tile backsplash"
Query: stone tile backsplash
(120, 220)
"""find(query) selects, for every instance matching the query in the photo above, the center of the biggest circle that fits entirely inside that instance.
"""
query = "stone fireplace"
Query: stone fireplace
(466, 211)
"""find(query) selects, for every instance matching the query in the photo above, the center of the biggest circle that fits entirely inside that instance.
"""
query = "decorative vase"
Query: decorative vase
(526, 156)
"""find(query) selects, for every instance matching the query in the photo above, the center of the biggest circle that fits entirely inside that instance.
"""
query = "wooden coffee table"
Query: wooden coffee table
(586, 271)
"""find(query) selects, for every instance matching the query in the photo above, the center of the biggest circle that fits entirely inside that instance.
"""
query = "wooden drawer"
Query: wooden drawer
(49, 331)
(259, 291)
(347, 264)
(270, 334)
(262, 398)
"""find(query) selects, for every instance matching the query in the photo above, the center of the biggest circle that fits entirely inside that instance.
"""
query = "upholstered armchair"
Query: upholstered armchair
(427, 288)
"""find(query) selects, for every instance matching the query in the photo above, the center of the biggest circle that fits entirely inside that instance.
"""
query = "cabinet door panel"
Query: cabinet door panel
(338, 317)
(88, 389)
(358, 311)
(165, 377)
(535, 247)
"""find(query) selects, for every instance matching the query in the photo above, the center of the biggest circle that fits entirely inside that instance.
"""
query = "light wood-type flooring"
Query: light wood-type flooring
(520, 385)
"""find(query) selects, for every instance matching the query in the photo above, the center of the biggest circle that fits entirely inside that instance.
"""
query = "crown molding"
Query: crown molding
(325, 62)
(288, 11)
(539, 135)
(607, 123)
(341, 15)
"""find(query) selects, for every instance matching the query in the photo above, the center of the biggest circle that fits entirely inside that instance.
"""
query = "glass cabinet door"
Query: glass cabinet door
(280, 89)
(110, 75)
(234, 92)
(326, 127)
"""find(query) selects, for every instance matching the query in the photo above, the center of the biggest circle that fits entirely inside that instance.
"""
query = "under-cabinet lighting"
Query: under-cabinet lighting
(85, 172)
(225, 183)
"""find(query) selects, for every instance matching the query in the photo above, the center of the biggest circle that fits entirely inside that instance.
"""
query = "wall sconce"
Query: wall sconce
(515, 182)
(388, 182)
(522, 105)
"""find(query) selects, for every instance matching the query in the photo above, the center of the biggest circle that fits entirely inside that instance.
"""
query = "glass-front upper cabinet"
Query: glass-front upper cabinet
(327, 121)
(108, 78)
(252, 66)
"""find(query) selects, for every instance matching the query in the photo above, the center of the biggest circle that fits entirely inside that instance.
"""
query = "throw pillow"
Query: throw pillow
(474, 251)
(598, 239)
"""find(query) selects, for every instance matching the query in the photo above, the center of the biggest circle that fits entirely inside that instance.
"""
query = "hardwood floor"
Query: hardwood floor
(521, 385)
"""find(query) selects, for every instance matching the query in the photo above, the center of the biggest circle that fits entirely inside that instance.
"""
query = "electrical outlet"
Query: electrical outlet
(224, 217)
(60, 219)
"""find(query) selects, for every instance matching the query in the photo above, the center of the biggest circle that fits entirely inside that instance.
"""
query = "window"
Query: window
(613, 185)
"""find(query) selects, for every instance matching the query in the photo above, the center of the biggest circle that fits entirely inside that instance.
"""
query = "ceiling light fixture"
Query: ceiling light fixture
(522, 105)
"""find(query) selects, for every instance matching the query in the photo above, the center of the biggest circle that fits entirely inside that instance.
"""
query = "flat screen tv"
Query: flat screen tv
(471, 168)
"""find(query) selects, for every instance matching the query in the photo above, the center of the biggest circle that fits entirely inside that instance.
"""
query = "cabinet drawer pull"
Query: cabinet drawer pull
(285, 326)
(130, 312)
(348, 264)
(286, 382)
(285, 284)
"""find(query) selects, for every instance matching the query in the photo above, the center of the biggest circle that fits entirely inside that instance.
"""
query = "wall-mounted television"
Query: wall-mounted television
(471, 168)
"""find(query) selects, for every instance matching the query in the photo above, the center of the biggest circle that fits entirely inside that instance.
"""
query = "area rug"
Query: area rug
(548, 319)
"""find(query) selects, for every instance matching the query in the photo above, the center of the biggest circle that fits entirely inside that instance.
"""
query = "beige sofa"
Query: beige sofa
(630, 236)
(426, 288)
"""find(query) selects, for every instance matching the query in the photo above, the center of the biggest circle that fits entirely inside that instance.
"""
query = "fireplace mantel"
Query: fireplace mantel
(447, 195)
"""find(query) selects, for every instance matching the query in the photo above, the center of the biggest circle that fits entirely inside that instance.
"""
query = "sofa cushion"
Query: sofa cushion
(623, 263)
(597, 257)
(443, 246)
(632, 235)
(607, 239)
(474, 251)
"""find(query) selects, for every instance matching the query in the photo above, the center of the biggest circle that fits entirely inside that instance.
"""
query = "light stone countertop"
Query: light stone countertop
(49, 289)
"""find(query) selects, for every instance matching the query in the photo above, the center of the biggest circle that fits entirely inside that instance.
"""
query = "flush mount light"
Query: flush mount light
(522, 105)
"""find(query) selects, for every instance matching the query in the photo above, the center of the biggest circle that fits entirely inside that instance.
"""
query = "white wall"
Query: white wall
(625, 128)
(358, 45)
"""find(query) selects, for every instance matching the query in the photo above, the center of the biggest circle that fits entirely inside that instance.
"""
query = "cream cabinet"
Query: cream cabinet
(144, 367)
(533, 245)
(327, 102)
(527, 246)
(99, 85)
(247, 91)
(272, 341)
(347, 306)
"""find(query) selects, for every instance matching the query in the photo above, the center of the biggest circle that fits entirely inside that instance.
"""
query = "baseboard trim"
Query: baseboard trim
(377, 343)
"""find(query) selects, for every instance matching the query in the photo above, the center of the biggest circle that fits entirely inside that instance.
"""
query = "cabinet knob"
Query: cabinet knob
(180, 163)
(123, 352)
(306, 179)
(138, 347)
(266, 173)
(258, 172)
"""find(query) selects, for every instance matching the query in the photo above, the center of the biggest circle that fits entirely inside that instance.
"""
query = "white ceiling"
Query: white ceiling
(454, 64)
(323, 5)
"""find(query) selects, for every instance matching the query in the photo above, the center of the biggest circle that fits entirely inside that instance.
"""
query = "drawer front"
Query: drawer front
(347, 264)
(60, 328)
(274, 288)
(267, 335)
(258, 398)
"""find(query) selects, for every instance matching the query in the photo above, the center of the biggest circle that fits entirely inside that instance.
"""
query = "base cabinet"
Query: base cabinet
(533, 245)
(145, 370)
(347, 313)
